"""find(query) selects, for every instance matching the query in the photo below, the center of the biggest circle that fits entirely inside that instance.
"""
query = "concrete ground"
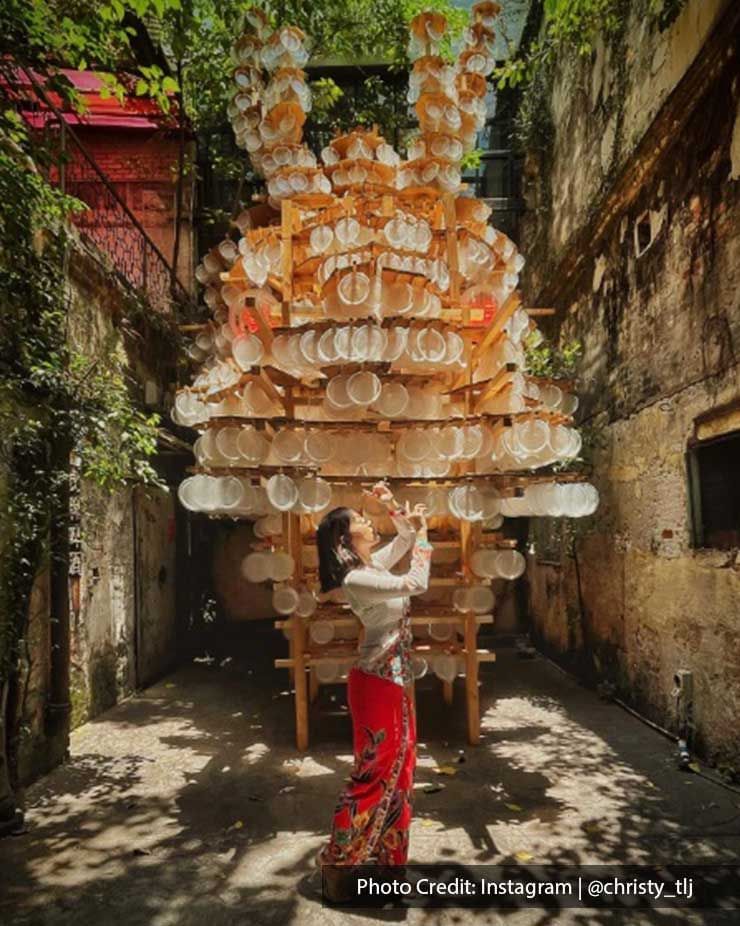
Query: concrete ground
(189, 804)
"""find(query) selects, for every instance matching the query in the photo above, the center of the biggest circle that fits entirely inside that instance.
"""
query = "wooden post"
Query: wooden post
(471, 679)
(452, 263)
(301, 690)
(313, 685)
(286, 236)
(472, 695)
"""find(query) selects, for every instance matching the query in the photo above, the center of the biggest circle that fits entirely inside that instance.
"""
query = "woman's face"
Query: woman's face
(361, 528)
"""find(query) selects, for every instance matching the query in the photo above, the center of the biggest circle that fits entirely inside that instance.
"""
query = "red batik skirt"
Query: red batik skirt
(373, 814)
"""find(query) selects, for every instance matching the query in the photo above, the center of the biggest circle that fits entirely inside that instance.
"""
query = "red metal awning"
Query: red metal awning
(134, 113)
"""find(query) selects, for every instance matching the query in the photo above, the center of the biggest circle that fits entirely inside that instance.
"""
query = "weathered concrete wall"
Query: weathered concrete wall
(660, 327)
(123, 633)
(600, 108)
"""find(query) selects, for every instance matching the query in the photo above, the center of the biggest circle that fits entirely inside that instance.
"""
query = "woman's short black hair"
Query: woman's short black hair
(337, 555)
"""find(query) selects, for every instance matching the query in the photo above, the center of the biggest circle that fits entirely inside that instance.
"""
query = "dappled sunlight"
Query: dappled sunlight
(202, 807)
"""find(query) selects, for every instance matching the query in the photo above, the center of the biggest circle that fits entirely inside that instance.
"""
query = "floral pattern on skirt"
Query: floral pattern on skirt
(373, 814)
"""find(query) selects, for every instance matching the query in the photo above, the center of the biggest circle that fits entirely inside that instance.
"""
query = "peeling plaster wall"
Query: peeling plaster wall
(124, 632)
(660, 327)
(601, 107)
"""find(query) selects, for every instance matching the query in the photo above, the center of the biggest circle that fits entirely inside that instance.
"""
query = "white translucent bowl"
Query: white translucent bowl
(306, 603)
(186, 494)
(318, 446)
(284, 599)
(510, 564)
(282, 565)
(393, 400)
(468, 501)
(287, 445)
(483, 563)
(269, 525)
(337, 392)
(314, 493)
(327, 671)
(282, 492)
(481, 599)
(227, 443)
(419, 666)
(247, 351)
(253, 446)
(445, 667)
(461, 600)
(363, 388)
(229, 493)
(451, 443)
(441, 632)
(326, 349)
(414, 446)
(256, 567)
(321, 632)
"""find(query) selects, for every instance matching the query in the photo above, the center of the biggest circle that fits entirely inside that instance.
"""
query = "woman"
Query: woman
(372, 816)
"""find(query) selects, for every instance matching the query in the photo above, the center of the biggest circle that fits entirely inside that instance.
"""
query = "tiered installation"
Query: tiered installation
(367, 324)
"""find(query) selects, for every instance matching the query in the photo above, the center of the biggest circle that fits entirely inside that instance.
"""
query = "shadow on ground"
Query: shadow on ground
(189, 803)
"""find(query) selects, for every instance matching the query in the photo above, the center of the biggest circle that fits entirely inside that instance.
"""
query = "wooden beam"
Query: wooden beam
(286, 258)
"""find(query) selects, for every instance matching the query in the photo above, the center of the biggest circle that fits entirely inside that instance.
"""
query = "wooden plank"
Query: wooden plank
(348, 658)
(264, 331)
(417, 620)
(498, 385)
(448, 691)
(506, 370)
(500, 319)
(270, 388)
(300, 686)
(472, 692)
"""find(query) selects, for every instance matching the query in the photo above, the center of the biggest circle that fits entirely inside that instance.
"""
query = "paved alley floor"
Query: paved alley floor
(189, 804)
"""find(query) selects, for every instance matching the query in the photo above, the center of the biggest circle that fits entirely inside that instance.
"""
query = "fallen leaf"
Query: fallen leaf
(523, 856)
(428, 823)
(237, 826)
(445, 770)
(170, 685)
(694, 766)
(514, 807)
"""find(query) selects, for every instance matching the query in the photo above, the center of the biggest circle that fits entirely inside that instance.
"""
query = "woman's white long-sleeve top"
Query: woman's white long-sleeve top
(380, 599)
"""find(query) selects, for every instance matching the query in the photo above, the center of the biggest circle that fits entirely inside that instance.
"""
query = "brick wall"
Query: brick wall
(142, 168)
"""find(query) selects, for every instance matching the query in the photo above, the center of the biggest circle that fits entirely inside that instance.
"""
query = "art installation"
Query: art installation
(368, 324)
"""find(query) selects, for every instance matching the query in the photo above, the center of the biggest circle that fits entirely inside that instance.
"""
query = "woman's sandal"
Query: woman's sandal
(338, 884)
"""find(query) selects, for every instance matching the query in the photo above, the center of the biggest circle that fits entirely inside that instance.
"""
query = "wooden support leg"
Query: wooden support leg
(471, 680)
(313, 685)
(448, 690)
(291, 654)
(301, 688)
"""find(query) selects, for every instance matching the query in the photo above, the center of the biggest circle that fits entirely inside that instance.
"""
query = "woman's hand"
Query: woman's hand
(383, 494)
(418, 518)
